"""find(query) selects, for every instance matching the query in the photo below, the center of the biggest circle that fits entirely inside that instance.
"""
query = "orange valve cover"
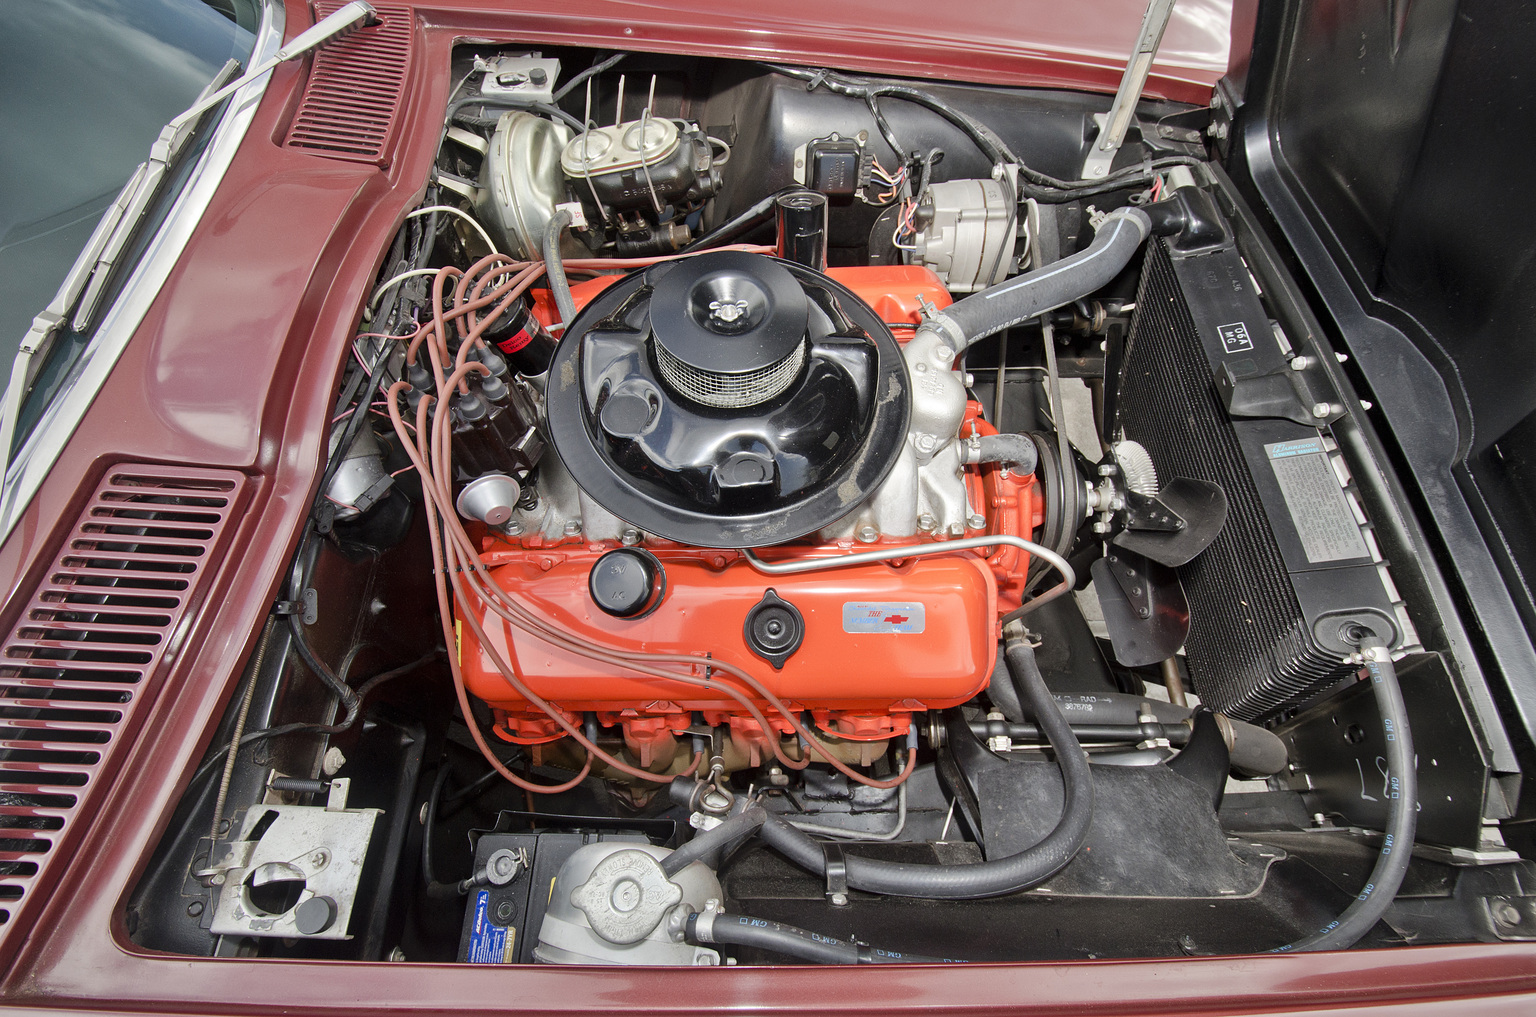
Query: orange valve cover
(879, 639)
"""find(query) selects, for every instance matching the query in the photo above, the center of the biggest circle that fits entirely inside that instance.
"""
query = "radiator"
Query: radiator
(1273, 600)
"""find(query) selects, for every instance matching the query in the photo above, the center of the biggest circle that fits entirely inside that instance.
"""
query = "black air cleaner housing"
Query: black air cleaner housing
(728, 400)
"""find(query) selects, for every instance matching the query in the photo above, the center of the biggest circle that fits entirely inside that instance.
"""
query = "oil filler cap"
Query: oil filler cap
(627, 582)
(774, 629)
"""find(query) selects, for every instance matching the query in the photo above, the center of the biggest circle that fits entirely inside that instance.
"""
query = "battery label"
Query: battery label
(864, 616)
(1317, 504)
(489, 943)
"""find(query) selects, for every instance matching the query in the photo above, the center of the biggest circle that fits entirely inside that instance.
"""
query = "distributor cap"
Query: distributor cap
(728, 400)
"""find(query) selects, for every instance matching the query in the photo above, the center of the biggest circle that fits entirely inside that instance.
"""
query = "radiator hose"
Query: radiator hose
(741, 930)
(1023, 297)
(1402, 815)
(1015, 872)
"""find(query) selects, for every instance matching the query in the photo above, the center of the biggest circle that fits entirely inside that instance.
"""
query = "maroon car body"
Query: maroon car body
(267, 292)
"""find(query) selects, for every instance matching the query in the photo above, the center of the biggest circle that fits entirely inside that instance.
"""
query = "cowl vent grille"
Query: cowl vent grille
(352, 101)
(82, 653)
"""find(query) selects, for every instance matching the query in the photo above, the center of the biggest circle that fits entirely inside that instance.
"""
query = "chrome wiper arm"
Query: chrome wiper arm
(83, 288)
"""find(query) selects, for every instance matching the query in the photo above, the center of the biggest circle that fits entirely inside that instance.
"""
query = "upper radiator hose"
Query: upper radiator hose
(1045, 289)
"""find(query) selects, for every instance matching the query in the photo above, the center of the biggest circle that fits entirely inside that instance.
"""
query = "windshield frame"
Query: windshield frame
(118, 322)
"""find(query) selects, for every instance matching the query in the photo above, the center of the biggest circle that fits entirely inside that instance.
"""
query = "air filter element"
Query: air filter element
(1277, 599)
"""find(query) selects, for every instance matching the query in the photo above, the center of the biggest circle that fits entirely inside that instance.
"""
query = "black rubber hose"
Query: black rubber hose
(1402, 816)
(741, 930)
(1018, 449)
(710, 841)
(597, 68)
(1056, 285)
(996, 876)
(1253, 750)
(554, 267)
(1177, 734)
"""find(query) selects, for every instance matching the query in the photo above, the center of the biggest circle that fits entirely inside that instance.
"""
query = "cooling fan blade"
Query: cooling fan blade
(1174, 525)
(1143, 605)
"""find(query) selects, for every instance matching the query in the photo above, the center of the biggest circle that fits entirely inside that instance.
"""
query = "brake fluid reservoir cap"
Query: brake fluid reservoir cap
(627, 583)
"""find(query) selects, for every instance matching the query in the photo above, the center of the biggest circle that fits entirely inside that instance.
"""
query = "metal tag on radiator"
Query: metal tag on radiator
(865, 616)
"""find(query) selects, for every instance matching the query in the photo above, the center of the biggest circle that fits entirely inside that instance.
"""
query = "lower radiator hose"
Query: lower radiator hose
(1016, 872)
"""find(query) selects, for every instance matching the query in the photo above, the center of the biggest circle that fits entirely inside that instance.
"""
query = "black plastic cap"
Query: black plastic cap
(626, 582)
(774, 629)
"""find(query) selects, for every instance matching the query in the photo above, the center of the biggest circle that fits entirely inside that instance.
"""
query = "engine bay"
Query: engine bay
(773, 515)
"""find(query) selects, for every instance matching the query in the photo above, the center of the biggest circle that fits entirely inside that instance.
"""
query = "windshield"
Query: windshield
(86, 86)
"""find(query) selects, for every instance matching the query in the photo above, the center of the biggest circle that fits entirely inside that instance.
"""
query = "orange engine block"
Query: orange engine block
(881, 641)
(932, 646)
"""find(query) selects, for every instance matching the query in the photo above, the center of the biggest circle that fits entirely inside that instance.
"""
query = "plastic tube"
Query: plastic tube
(1045, 289)
(1402, 816)
(1015, 872)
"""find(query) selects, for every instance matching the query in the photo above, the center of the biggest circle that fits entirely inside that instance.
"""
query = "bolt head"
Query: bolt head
(1506, 913)
(976, 521)
(1100, 526)
(572, 527)
(195, 908)
(925, 442)
(629, 538)
(1299, 363)
(926, 522)
(868, 534)
(1320, 410)
(1107, 470)
(839, 900)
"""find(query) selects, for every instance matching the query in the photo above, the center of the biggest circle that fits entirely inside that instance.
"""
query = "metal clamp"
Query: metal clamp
(837, 875)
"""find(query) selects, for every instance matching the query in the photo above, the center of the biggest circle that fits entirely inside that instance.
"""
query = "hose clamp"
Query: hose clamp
(837, 875)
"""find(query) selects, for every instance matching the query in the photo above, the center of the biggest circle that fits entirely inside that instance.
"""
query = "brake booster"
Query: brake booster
(735, 401)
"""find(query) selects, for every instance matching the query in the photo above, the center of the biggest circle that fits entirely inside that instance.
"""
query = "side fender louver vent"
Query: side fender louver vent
(88, 646)
(352, 101)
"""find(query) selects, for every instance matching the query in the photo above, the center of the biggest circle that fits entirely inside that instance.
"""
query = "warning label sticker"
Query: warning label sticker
(1317, 503)
(490, 943)
(882, 616)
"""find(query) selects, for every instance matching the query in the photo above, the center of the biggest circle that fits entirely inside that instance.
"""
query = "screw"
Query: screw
(868, 534)
(195, 908)
(320, 858)
(504, 910)
(396, 955)
(421, 815)
(1320, 410)
(1506, 913)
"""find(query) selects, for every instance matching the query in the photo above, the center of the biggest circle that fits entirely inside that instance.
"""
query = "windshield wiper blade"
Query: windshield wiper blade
(83, 288)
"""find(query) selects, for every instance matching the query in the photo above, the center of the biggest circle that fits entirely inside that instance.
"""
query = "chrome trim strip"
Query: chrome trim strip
(43, 446)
